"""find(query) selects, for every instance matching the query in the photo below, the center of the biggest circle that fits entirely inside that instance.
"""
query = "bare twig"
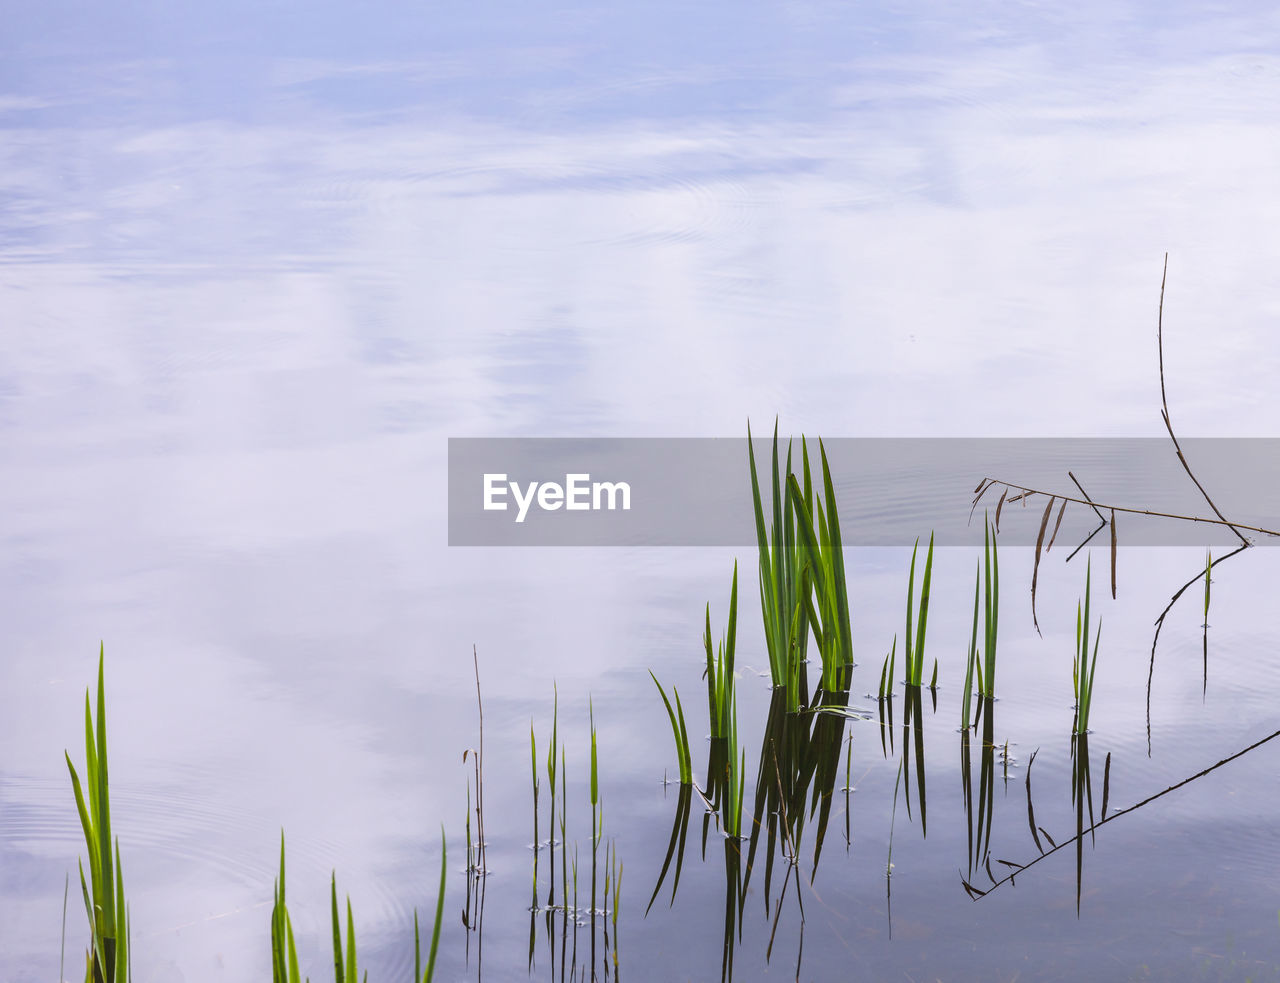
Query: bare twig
(1085, 542)
(1164, 412)
(1113, 554)
(1076, 482)
(1234, 526)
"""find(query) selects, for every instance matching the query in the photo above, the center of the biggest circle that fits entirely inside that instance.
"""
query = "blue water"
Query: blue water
(257, 266)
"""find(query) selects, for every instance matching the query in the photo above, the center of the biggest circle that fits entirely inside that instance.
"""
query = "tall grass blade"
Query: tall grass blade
(683, 756)
(991, 612)
(344, 963)
(971, 657)
(781, 561)
(533, 760)
(1083, 668)
(108, 954)
(914, 649)
(284, 953)
(886, 672)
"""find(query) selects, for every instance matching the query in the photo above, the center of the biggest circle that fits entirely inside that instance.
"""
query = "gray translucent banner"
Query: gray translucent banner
(697, 491)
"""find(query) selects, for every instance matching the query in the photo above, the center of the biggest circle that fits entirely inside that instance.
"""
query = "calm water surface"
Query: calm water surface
(255, 269)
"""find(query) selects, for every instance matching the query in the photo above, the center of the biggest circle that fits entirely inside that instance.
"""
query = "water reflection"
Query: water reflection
(253, 285)
(979, 803)
(799, 765)
(1082, 801)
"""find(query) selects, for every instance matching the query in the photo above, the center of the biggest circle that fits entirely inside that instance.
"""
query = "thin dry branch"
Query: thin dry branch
(1234, 526)
(1164, 412)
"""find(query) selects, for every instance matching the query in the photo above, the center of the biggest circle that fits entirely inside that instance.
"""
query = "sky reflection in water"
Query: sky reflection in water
(256, 267)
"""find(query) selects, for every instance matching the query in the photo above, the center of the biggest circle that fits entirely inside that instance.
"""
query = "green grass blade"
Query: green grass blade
(435, 931)
(103, 823)
(923, 623)
(713, 704)
(730, 638)
(595, 776)
(910, 677)
(339, 975)
(678, 731)
(352, 972)
(971, 658)
(837, 565)
(122, 924)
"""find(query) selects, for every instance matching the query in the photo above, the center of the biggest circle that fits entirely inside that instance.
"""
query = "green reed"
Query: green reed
(990, 612)
(884, 702)
(615, 867)
(1083, 668)
(107, 960)
(886, 672)
(719, 673)
(782, 562)
(284, 951)
(683, 756)
(344, 963)
(971, 656)
(533, 759)
(563, 771)
(914, 648)
(552, 751)
(597, 817)
(828, 606)
(419, 974)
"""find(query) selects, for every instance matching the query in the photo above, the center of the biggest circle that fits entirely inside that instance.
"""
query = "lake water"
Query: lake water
(257, 268)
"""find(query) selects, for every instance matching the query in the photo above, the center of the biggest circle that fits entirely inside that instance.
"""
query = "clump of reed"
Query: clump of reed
(1083, 668)
(726, 764)
(107, 959)
(783, 584)
(284, 950)
(828, 605)
(564, 899)
(802, 576)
